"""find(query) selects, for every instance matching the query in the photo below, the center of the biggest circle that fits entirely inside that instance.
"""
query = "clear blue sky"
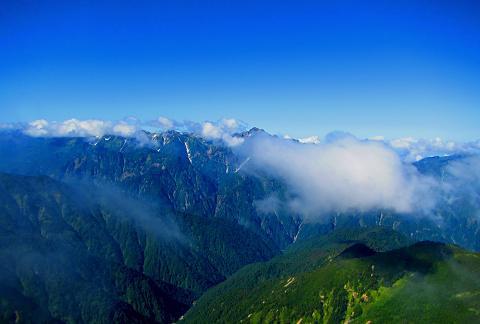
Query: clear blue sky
(297, 67)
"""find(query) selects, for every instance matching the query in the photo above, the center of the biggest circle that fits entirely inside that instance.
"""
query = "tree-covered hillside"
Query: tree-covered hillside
(89, 257)
(341, 278)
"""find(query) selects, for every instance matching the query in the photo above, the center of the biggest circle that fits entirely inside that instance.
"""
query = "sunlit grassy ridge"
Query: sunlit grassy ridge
(424, 283)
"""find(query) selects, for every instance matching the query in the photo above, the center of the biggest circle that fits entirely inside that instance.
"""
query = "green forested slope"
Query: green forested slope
(81, 256)
(57, 262)
(424, 283)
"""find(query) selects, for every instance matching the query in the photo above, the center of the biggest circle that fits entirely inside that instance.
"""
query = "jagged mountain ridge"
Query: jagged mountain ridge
(193, 187)
(187, 173)
(195, 176)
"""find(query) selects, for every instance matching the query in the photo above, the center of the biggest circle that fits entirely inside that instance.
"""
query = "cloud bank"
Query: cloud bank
(412, 149)
(78, 128)
(408, 148)
(341, 175)
(131, 127)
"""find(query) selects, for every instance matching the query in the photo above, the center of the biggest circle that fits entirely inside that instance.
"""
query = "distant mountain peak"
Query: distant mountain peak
(251, 132)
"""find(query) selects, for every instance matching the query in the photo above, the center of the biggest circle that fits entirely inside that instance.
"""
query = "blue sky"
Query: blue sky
(299, 67)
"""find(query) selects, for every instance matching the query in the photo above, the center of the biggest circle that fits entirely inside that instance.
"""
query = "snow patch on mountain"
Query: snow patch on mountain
(187, 150)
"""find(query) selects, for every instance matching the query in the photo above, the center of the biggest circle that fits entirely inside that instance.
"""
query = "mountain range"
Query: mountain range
(115, 229)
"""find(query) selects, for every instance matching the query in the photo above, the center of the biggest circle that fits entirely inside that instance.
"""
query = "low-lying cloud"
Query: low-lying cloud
(340, 175)
(461, 180)
(149, 214)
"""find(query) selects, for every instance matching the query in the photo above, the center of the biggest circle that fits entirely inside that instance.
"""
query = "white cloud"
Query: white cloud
(231, 124)
(403, 143)
(75, 127)
(124, 129)
(220, 130)
(409, 148)
(232, 140)
(211, 131)
(341, 175)
(310, 140)
(37, 128)
(78, 128)
(165, 123)
(412, 149)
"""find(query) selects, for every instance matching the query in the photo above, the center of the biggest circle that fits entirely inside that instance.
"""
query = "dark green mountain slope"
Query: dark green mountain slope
(341, 280)
(102, 257)
(57, 262)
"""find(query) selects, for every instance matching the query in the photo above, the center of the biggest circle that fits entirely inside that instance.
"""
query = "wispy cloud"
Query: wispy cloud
(462, 181)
